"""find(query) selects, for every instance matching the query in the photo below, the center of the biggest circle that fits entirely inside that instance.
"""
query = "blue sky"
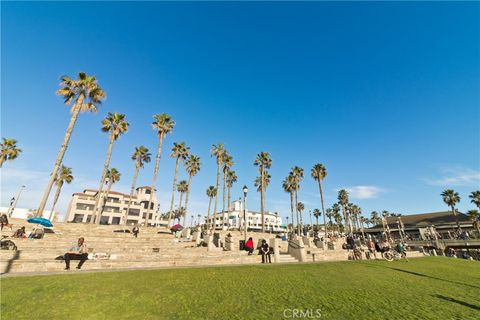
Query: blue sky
(386, 95)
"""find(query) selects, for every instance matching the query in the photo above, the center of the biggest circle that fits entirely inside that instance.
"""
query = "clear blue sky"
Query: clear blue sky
(386, 95)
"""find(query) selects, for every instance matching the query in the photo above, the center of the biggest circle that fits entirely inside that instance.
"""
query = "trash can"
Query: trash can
(242, 245)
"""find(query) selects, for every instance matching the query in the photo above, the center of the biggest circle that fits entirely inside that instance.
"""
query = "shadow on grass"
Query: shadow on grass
(423, 275)
(16, 255)
(439, 296)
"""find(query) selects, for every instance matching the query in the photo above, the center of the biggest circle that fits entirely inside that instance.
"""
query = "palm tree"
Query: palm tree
(163, 124)
(9, 151)
(87, 95)
(64, 175)
(227, 164)
(113, 175)
(140, 156)
(289, 186)
(300, 208)
(473, 215)
(317, 213)
(211, 192)
(263, 161)
(336, 213)
(116, 125)
(231, 179)
(192, 166)
(343, 202)
(182, 187)
(375, 217)
(180, 153)
(475, 196)
(218, 151)
(319, 172)
(329, 214)
(451, 198)
(338, 219)
(297, 174)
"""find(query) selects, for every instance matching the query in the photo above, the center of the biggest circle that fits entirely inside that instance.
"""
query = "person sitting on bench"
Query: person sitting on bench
(249, 246)
(265, 252)
(77, 252)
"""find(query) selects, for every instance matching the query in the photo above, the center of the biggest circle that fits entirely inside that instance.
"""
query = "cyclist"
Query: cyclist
(402, 250)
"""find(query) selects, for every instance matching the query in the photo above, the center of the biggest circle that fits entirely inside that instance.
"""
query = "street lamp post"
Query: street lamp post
(14, 204)
(245, 191)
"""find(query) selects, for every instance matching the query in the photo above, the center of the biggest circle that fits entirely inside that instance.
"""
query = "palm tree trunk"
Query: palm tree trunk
(55, 198)
(188, 193)
(3, 158)
(291, 207)
(228, 207)
(296, 210)
(262, 195)
(105, 196)
(155, 174)
(132, 190)
(216, 195)
(180, 208)
(61, 153)
(102, 181)
(224, 197)
(323, 208)
(177, 163)
(208, 213)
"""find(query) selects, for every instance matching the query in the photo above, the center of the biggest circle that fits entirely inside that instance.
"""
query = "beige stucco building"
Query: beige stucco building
(82, 203)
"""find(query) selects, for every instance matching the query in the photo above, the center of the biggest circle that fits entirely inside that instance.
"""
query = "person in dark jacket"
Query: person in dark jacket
(265, 252)
(135, 231)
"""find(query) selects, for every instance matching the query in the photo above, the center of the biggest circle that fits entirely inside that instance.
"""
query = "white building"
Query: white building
(116, 204)
(23, 213)
(234, 219)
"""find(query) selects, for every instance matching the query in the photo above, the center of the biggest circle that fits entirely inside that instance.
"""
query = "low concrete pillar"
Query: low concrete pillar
(296, 248)
(307, 241)
(229, 244)
(197, 237)
(275, 244)
(208, 239)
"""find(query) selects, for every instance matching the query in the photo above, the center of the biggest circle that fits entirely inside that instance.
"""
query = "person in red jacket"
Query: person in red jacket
(249, 246)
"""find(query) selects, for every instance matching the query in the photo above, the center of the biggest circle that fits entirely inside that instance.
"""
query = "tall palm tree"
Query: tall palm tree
(116, 125)
(140, 156)
(338, 220)
(343, 202)
(289, 186)
(180, 153)
(218, 151)
(473, 215)
(192, 166)
(9, 151)
(263, 161)
(375, 217)
(227, 164)
(297, 174)
(64, 176)
(475, 196)
(317, 213)
(211, 192)
(163, 124)
(329, 214)
(319, 172)
(336, 213)
(113, 176)
(87, 95)
(300, 208)
(451, 198)
(231, 179)
(182, 188)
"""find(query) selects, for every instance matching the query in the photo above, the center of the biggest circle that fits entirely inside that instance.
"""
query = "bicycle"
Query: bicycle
(391, 254)
(6, 244)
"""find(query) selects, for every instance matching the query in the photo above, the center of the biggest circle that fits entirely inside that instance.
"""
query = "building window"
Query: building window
(78, 218)
(134, 212)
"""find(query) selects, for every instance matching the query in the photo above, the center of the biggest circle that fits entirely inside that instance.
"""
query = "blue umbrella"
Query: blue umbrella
(41, 221)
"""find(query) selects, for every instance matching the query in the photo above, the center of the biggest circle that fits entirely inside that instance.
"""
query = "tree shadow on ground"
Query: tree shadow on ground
(466, 304)
(424, 275)
(16, 255)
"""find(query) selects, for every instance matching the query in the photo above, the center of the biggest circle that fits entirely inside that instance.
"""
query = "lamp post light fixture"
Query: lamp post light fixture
(13, 202)
(245, 191)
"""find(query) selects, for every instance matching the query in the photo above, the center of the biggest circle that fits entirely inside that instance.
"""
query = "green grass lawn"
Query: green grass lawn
(423, 288)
